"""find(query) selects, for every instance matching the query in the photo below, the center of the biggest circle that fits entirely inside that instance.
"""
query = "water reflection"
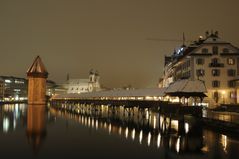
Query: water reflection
(11, 115)
(36, 125)
(143, 134)
(184, 138)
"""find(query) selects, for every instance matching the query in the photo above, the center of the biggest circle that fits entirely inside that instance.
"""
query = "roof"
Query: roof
(157, 92)
(37, 69)
(78, 81)
(186, 87)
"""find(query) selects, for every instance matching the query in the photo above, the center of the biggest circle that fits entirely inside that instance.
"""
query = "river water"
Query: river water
(36, 132)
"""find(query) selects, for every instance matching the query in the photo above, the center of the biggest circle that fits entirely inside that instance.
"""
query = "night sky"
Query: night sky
(73, 36)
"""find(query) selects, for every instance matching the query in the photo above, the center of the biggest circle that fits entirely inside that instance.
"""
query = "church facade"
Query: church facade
(84, 85)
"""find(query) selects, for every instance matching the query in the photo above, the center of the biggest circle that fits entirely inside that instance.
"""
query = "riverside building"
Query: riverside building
(211, 60)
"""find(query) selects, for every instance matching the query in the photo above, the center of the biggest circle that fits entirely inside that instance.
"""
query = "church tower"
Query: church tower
(37, 75)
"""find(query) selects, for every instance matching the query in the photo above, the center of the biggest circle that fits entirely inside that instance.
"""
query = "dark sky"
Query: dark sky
(73, 36)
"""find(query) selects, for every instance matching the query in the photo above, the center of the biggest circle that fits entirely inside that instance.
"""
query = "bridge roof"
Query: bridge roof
(179, 88)
(186, 87)
(157, 92)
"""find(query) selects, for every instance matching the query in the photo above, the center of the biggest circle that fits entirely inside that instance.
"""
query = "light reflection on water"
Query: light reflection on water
(194, 141)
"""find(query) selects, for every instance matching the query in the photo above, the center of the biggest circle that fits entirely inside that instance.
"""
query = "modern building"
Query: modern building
(210, 59)
(84, 85)
(13, 88)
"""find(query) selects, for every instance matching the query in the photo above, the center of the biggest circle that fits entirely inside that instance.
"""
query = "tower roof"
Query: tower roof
(37, 69)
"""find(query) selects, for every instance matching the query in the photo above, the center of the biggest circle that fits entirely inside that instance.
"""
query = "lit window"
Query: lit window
(8, 81)
(230, 61)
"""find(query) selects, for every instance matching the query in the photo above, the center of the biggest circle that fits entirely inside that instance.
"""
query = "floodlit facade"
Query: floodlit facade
(84, 85)
(37, 75)
(211, 60)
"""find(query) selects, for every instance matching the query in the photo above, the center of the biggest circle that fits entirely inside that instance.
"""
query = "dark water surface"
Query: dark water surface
(30, 132)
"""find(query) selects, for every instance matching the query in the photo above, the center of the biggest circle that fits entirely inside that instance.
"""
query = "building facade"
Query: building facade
(84, 85)
(210, 59)
(13, 88)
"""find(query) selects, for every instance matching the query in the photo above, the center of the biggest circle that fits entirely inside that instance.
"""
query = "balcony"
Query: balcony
(216, 65)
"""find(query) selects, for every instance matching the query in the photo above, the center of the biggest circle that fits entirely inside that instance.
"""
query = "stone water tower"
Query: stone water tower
(37, 75)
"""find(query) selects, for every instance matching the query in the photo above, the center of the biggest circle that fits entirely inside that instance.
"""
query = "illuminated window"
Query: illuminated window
(230, 61)
(233, 94)
(8, 81)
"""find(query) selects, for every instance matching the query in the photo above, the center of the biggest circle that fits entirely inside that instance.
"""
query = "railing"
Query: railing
(229, 117)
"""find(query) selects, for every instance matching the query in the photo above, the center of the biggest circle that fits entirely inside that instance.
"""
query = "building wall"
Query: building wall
(14, 88)
(36, 90)
(187, 66)
(226, 93)
(84, 85)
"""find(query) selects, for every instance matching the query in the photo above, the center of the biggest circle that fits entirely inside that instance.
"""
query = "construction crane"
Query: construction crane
(171, 40)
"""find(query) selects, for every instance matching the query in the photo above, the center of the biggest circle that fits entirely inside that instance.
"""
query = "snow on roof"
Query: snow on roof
(158, 92)
(182, 86)
(215, 40)
(187, 86)
(78, 81)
